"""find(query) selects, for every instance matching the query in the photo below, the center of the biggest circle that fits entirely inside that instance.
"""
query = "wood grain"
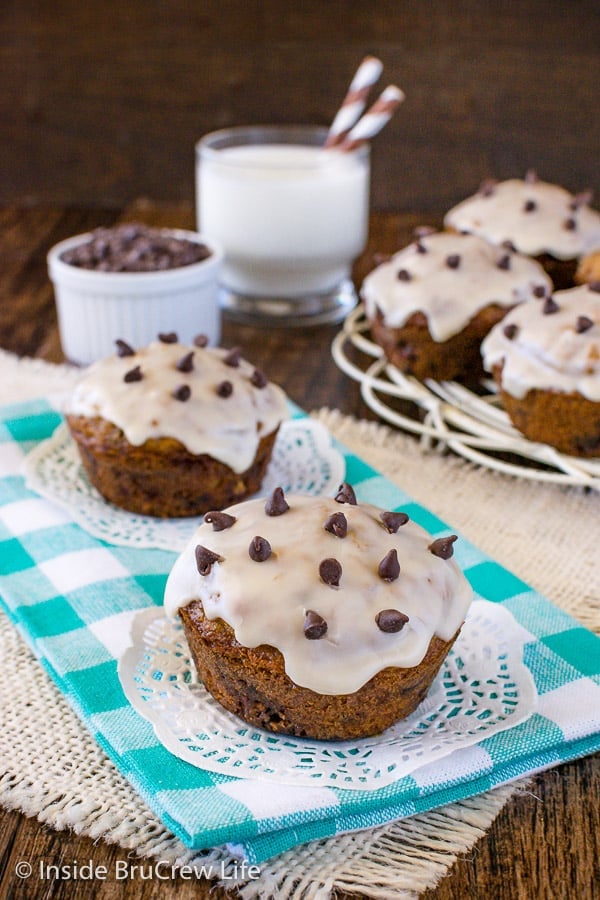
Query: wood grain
(544, 844)
(102, 103)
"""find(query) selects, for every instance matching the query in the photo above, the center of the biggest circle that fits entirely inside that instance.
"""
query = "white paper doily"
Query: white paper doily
(474, 426)
(304, 460)
(483, 688)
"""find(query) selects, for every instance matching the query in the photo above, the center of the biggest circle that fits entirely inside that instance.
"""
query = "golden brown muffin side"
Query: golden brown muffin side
(588, 269)
(568, 422)
(413, 351)
(252, 684)
(160, 477)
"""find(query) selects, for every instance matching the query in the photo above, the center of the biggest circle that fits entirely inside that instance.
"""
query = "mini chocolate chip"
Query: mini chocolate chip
(133, 375)
(232, 358)
(186, 363)
(550, 306)
(183, 392)
(346, 494)
(487, 187)
(219, 520)
(224, 389)
(583, 324)
(442, 547)
(583, 198)
(503, 262)
(123, 348)
(422, 231)
(453, 261)
(539, 291)
(420, 247)
(391, 620)
(258, 379)
(337, 524)
(404, 275)
(168, 337)
(380, 258)
(276, 504)
(393, 520)
(510, 331)
(508, 245)
(531, 176)
(330, 571)
(389, 567)
(259, 549)
(205, 559)
(529, 206)
(315, 626)
(570, 224)
(201, 340)
(594, 286)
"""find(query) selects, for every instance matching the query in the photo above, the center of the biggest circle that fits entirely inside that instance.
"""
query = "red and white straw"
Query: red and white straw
(355, 100)
(373, 120)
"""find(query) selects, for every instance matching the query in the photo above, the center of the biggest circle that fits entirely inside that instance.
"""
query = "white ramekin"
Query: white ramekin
(96, 308)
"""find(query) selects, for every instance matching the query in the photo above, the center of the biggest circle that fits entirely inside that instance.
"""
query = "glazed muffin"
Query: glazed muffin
(545, 358)
(317, 616)
(174, 430)
(538, 219)
(431, 305)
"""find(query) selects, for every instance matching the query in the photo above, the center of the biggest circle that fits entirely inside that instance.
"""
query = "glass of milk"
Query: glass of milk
(291, 216)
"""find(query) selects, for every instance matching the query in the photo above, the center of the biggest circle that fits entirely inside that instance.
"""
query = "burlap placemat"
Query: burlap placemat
(545, 534)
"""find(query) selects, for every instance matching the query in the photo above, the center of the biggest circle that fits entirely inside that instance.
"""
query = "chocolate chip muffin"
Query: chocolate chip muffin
(173, 430)
(545, 357)
(431, 305)
(539, 219)
(319, 617)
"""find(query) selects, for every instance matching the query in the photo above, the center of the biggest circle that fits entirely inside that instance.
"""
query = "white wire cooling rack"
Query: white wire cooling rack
(448, 414)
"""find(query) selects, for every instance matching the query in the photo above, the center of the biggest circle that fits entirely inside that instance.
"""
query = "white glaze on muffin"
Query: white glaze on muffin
(537, 217)
(305, 571)
(210, 399)
(551, 344)
(450, 278)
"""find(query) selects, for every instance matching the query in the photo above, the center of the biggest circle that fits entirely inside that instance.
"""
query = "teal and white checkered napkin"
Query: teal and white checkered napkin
(73, 597)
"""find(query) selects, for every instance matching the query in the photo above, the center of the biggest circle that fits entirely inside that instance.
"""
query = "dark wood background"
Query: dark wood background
(101, 103)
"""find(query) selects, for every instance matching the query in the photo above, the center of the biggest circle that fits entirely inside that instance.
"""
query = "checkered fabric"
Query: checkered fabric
(73, 597)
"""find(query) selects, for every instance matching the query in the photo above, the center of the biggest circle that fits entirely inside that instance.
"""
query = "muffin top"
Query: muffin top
(551, 344)
(537, 217)
(450, 277)
(341, 589)
(209, 399)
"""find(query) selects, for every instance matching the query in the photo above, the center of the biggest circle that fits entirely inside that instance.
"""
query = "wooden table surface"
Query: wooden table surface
(545, 843)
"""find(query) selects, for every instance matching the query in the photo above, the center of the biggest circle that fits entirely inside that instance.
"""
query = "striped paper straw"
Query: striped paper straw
(355, 100)
(373, 120)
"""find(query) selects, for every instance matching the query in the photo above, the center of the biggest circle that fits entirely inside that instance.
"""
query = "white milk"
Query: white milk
(292, 218)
